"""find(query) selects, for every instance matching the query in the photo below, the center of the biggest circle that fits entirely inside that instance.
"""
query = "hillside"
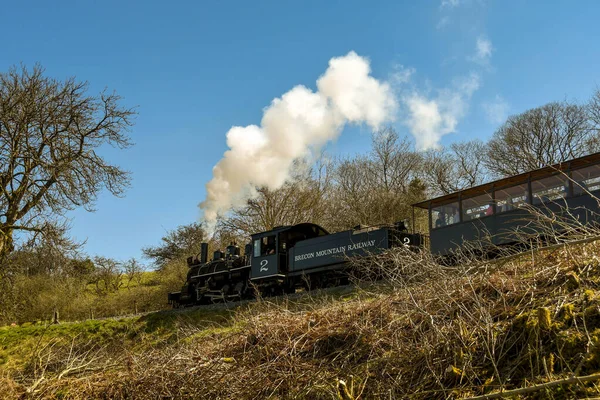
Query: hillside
(425, 332)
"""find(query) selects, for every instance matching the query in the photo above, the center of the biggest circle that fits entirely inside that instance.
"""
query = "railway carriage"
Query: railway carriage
(500, 209)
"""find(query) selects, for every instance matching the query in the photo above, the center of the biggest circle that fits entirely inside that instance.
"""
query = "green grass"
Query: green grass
(19, 343)
(161, 328)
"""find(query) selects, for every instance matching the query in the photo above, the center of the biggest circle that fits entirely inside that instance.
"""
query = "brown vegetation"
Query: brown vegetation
(428, 332)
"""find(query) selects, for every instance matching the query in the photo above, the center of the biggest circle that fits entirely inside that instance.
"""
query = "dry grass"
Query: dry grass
(434, 332)
(424, 331)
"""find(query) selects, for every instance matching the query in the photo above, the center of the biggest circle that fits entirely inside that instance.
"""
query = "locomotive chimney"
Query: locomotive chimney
(203, 252)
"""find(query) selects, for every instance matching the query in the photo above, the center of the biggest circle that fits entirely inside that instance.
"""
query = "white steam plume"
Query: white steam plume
(299, 122)
(430, 119)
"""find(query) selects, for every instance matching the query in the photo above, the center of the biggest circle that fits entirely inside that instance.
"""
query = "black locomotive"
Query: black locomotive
(284, 259)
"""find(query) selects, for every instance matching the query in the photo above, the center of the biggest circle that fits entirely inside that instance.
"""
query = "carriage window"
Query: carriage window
(549, 189)
(510, 198)
(445, 215)
(477, 207)
(586, 179)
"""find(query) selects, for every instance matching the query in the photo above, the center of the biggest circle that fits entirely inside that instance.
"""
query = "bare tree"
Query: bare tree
(593, 109)
(176, 245)
(50, 132)
(302, 199)
(134, 271)
(53, 253)
(378, 188)
(108, 275)
(393, 161)
(543, 136)
(455, 168)
(353, 192)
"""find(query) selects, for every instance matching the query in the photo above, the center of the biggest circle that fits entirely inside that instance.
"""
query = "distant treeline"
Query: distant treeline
(50, 132)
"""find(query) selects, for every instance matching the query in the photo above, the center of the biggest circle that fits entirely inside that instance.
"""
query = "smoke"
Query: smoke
(430, 119)
(294, 126)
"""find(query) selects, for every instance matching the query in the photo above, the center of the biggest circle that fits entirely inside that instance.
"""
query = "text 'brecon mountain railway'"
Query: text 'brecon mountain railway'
(335, 250)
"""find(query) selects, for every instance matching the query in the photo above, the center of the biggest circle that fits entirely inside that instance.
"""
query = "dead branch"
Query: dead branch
(535, 388)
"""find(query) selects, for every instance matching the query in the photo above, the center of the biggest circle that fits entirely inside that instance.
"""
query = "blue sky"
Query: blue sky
(195, 69)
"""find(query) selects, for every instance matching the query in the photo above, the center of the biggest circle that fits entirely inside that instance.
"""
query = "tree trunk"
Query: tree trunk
(6, 243)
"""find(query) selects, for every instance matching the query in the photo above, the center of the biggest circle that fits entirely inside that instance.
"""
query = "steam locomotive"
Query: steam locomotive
(306, 255)
(284, 259)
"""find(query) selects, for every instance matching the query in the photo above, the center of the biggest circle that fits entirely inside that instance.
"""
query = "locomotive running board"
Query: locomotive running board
(329, 267)
(223, 271)
(268, 276)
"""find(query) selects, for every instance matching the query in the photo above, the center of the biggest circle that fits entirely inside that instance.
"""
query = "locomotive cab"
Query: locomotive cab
(270, 249)
(264, 255)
